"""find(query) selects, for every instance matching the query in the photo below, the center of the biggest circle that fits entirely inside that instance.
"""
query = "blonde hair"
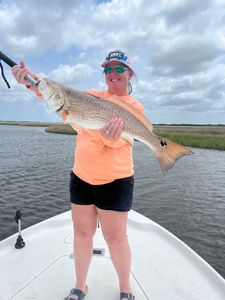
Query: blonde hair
(133, 74)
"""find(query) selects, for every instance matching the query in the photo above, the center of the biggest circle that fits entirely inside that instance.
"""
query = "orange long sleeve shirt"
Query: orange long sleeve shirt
(98, 160)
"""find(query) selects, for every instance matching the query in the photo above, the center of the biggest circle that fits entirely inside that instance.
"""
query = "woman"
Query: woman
(101, 183)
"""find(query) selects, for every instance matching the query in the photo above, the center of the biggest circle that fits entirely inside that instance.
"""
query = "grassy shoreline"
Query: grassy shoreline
(199, 136)
(61, 129)
(204, 136)
(27, 123)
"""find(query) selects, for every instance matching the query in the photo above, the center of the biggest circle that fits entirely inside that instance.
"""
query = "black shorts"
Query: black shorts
(116, 195)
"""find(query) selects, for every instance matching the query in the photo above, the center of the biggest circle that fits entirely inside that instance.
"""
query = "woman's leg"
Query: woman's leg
(84, 224)
(114, 228)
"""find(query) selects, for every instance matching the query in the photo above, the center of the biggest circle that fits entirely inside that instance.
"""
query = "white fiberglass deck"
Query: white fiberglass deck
(163, 267)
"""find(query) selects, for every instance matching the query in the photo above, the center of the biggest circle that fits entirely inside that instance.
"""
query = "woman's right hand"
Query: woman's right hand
(20, 71)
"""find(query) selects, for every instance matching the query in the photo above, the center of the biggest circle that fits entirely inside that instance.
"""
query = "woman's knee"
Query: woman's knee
(81, 233)
(115, 241)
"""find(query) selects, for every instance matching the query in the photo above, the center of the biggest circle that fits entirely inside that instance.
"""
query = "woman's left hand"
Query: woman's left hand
(113, 129)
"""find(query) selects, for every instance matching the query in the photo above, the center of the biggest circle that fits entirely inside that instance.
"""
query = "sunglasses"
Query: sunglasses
(117, 69)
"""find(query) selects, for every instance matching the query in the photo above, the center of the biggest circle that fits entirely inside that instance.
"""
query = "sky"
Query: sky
(177, 48)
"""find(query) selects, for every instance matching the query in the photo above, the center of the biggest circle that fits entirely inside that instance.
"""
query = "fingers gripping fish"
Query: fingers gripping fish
(88, 111)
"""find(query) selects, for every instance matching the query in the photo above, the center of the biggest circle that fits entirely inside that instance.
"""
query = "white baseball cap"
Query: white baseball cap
(117, 55)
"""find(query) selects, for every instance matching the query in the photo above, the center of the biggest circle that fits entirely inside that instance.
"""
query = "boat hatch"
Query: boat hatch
(99, 251)
(96, 252)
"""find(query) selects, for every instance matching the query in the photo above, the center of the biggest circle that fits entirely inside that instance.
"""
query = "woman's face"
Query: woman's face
(117, 82)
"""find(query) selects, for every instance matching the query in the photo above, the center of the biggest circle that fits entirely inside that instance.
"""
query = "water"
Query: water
(189, 200)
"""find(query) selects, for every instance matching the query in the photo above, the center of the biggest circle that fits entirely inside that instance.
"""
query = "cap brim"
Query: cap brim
(108, 61)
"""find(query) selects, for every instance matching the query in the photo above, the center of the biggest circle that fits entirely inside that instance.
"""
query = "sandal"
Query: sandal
(128, 296)
(76, 292)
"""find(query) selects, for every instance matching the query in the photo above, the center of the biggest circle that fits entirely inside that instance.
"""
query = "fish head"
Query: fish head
(53, 93)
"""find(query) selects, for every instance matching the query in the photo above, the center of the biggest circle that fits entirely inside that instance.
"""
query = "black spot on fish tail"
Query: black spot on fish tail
(163, 143)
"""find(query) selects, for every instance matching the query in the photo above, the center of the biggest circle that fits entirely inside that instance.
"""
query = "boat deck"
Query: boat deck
(163, 267)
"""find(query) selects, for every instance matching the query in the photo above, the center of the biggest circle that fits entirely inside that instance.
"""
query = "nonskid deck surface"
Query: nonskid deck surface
(163, 268)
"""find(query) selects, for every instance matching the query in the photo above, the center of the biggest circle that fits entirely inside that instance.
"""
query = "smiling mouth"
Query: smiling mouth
(115, 80)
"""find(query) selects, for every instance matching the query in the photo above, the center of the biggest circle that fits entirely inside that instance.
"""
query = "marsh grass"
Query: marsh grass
(26, 123)
(206, 137)
(61, 129)
(199, 136)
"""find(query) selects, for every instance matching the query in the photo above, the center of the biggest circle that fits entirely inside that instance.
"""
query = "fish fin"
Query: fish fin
(169, 152)
(76, 127)
(120, 102)
(127, 139)
(64, 115)
(70, 119)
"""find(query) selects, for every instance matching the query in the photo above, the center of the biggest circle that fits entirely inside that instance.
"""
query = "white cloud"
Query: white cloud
(72, 74)
(177, 46)
(16, 93)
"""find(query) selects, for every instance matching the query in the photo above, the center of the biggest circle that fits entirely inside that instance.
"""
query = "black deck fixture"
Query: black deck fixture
(19, 242)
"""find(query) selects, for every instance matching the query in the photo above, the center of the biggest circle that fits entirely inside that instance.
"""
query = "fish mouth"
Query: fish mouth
(41, 86)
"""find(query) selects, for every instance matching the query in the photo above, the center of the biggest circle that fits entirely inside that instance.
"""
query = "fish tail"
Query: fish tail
(168, 152)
